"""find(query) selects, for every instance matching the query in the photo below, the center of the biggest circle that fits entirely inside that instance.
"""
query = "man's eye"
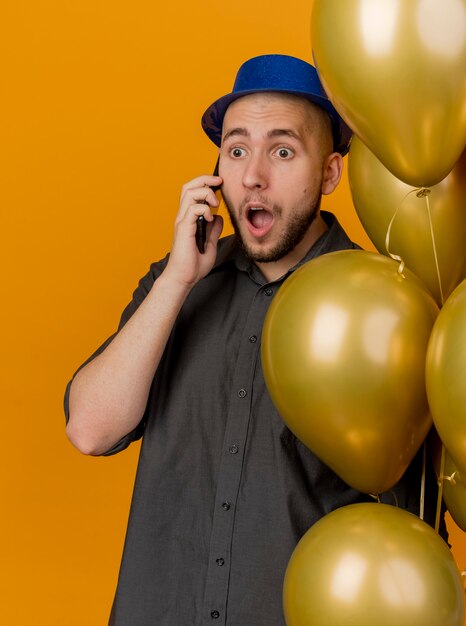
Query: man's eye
(237, 152)
(284, 153)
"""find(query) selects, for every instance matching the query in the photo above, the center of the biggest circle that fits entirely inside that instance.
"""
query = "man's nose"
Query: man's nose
(255, 172)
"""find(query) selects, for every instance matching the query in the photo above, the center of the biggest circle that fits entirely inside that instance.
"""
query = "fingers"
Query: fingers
(196, 195)
(197, 199)
(202, 181)
(187, 265)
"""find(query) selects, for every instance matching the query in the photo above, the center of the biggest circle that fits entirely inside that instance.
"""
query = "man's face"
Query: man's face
(272, 159)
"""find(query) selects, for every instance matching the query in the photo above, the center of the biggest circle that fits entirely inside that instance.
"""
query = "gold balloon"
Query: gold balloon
(454, 489)
(445, 375)
(454, 492)
(396, 72)
(367, 564)
(343, 353)
(378, 195)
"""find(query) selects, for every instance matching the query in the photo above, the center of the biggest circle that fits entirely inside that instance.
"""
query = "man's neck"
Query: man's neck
(276, 269)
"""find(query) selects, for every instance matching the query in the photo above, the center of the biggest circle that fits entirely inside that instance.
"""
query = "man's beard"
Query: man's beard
(295, 230)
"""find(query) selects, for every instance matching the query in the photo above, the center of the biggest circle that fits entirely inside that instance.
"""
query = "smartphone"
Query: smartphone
(201, 223)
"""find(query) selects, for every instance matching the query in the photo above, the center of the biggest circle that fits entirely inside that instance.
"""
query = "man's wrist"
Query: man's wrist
(173, 286)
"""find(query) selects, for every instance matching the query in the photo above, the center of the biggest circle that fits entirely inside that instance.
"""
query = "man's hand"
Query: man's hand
(186, 264)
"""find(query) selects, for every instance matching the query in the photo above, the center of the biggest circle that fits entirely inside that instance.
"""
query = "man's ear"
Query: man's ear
(332, 170)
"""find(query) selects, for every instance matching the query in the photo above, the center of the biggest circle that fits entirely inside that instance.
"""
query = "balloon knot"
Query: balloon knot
(451, 478)
(422, 193)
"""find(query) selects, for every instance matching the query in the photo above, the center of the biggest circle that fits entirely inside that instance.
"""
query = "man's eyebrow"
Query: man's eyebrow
(242, 132)
(276, 132)
(287, 132)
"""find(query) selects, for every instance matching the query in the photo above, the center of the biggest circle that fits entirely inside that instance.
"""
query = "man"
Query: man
(224, 491)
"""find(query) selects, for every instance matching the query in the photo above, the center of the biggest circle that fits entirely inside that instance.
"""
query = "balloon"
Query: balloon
(367, 564)
(454, 492)
(445, 375)
(377, 195)
(396, 72)
(343, 353)
(454, 489)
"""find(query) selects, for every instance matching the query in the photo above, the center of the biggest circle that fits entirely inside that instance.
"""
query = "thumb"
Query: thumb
(215, 231)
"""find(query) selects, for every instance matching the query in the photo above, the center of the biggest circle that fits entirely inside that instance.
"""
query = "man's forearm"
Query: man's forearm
(109, 395)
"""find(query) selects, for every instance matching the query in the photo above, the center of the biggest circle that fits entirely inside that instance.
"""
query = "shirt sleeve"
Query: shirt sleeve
(144, 286)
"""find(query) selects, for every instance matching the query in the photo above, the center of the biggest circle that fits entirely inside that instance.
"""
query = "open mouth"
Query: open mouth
(260, 220)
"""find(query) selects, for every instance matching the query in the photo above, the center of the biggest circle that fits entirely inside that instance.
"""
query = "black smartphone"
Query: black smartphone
(201, 222)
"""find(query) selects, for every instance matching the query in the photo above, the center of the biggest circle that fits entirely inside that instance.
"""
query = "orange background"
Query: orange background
(99, 129)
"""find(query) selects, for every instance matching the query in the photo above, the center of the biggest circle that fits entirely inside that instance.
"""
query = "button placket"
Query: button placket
(230, 471)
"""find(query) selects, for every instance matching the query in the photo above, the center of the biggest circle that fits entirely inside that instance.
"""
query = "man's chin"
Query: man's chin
(262, 253)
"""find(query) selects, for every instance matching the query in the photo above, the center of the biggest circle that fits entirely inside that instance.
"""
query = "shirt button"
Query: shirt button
(253, 338)
(220, 562)
(214, 614)
(233, 449)
(242, 393)
(226, 506)
(268, 291)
